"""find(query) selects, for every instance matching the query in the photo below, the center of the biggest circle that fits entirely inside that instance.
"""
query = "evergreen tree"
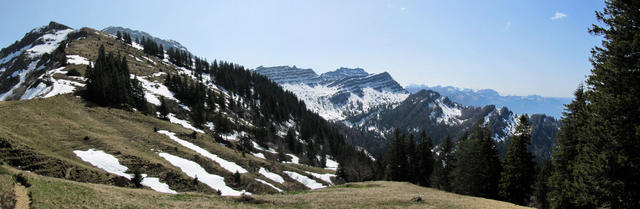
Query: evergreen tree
(109, 83)
(444, 165)
(604, 172)
(518, 166)
(541, 185)
(411, 160)
(566, 151)
(425, 160)
(118, 35)
(477, 166)
(398, 158)
(291, 141)
(164, 110)
(137, 178)
(127, 38)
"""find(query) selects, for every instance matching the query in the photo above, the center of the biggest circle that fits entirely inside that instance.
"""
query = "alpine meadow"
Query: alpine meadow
(320, 104)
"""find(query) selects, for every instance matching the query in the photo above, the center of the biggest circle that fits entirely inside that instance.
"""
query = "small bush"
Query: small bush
(73, 72)
(86, 138)
(237, 178)
(137, 178)
(22, 180)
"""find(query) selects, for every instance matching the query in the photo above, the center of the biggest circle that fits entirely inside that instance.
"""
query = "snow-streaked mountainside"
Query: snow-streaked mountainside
(136, 35)
(41, 66)
(23, 65)
(532, 104)
(338, 94)
(439, 116)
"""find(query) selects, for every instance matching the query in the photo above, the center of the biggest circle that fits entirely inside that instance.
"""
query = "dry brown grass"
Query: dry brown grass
(381, 194)
(57, 193)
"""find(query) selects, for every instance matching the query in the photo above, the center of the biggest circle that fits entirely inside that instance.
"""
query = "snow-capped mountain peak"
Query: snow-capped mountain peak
(23, 64)
(338, 94)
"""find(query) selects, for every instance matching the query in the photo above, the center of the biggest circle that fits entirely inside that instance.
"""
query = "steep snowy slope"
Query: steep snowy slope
(25, 66)
(338, 94)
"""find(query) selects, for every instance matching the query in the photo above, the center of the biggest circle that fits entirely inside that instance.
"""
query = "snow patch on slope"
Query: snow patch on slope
(450, 114)
(154, 89)
(110, 164)
(269, 184)
(306, 181)
(78, 60)
(229, 166)
(331, 164)
(183, 123)
(325, 177)
(193, 170)
(51, 42)
(273, 176)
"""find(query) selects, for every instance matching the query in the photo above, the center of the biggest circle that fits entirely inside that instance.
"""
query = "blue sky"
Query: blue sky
(516, 47)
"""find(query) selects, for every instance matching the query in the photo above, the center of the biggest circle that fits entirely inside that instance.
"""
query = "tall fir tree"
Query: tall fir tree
(398, 164)
(518, 166)
(443, 166)
(565, 152)
(541, 186)
(477, 166)
(605, 172)
(424, 160)
(411, 160)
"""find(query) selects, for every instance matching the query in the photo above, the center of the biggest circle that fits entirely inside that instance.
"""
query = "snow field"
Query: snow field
(110, 164)
(183, 123)
(308, 182)
(271, 185)
(325, 177)
(78, 60)
(227, 165)
(272, 176)
(331, 164)
(193, 170)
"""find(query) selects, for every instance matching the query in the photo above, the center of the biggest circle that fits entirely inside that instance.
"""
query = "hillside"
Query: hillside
(49, 192)
(196, 129)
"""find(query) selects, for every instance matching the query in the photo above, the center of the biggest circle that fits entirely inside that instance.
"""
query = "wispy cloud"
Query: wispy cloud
(559, 15)
(507, 26)
(402, 9)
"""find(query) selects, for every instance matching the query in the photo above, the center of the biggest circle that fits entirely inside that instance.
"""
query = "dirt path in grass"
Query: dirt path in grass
(22, 197)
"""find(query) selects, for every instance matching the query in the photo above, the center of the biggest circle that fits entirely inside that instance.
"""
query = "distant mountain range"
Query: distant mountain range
(532, 104)
(338, 94)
